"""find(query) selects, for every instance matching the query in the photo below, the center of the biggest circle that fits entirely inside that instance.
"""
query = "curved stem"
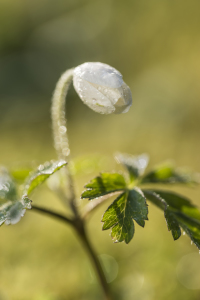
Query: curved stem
(61, 144)
(59, 124)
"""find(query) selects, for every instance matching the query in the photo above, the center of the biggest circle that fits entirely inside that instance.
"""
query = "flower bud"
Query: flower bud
(102, 88)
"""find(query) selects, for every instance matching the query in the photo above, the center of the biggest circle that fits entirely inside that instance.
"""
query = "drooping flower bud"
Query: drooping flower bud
(102, 88)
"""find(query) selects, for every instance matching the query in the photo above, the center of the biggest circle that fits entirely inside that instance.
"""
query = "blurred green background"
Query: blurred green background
(155, 45)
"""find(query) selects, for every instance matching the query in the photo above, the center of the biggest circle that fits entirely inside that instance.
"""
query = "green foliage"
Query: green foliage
(12, 208)
(135, 165)
(131, 205)
(172, 224)
(8, 191)
(166, 173)
(104, 184)
(179, 212)
(120, 214)
(42, 173)
(20, 174)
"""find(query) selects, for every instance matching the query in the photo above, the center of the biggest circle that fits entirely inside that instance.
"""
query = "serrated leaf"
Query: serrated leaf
(171, 221)
(41, 174)
(191, 227)
(179, 203)
(11, 207)
(120, 214)
(104, 184)
(166, 173)
(172, 224)
(135, 165)
(179, 212)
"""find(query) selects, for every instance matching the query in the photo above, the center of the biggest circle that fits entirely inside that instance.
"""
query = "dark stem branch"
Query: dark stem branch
(53, 214)
(96, 263)
(78, 224)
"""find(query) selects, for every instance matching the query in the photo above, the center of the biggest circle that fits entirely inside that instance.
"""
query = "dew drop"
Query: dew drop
(15, 213)
(62, 129)
(41, 167)
(66, 151)
(23, 212)
(28, 205)
(183, 232)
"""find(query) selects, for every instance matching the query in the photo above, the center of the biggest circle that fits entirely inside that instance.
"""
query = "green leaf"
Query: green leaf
(11, 213)
(166, 173)
(87, 164)
(172, 224)
(179, 203)
(191, 227)
(179, 212)
(8, 191)
(104, 184)
(120, 214)
(41, 174)
(20, 174)
(11, 207)
(135, 165)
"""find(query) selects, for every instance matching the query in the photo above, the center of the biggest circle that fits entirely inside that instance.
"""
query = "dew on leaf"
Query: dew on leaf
(41, 167)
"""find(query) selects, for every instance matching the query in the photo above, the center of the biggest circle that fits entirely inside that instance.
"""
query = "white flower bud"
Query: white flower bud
(102, 88)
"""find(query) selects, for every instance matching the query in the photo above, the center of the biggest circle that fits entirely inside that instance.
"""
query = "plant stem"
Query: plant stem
(59, 126)
(96, 263)
(79, 227)
(52, 214)
(59, 122)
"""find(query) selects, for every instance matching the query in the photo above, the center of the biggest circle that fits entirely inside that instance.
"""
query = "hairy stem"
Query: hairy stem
(61, 144)
(59, 122)
(59, 126)
(79, 227)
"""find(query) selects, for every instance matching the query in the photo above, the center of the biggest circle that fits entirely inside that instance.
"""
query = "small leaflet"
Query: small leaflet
(42, 173)
(179, 212)
(12, 208)
(119, 216)
(135, 165)
(166, 173)
(104, 184)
